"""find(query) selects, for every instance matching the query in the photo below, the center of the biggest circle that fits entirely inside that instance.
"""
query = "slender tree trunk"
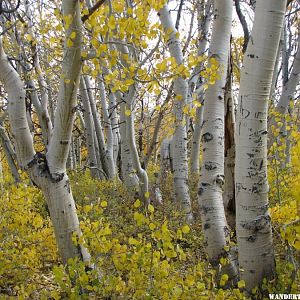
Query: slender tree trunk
(195, 82)
(112, 110)
(211, 186)
(89, 130)
(107, 161)
(110, 144)
(180, 163)
(153, 143)
(130, 134)
(129, 176)
(254, 232)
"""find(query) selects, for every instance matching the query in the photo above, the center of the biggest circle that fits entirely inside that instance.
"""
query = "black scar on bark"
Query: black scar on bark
(67, 186)
(251, 239)
(206, 226)
(200, 191)
(207, 137)
(210, 166)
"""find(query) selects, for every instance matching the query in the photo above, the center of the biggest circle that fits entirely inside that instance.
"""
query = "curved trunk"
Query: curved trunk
(254, 232)
(62, 210)
(48, 172)
(211, 186)
(129, 121)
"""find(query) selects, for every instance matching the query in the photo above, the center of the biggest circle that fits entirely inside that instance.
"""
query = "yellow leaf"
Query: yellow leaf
(241, 284)
(224, 279)
(103, 203)
(127, 112)
(185, 229)
(29, 37)
(152, 226)
(137, 203)
(85, 11)
(69, 43)
(147, 195)
(133, 241)
(151, 208)
(73, 35)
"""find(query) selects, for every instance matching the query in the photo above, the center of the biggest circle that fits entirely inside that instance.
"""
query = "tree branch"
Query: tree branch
(243, 23)
(92, 10)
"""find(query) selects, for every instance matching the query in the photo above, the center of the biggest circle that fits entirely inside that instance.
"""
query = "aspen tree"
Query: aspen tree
(180, 164)
(211, 186)
(48, 171)
(254, 232)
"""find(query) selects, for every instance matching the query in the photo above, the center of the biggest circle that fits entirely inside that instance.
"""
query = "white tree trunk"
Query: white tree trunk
(211, 186)
(58, 150)
(62, 210)
(16, 110)
(89, 130)
(180, 164)
(112, 109)
(289, 88)
(48, 172)
(129, 176)
(106, 157)
(130, 134)
(254, 233)
(110, 137)
(204, 21)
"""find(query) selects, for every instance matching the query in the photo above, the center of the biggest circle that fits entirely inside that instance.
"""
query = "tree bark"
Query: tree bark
(180, 164)
(204, 21)
(254, 232)
(48, 171)
(89, 130)
(211, 186)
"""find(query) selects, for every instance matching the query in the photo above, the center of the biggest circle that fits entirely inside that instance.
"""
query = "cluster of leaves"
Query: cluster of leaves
(138, 252)
(284, 179)
(27, 244)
